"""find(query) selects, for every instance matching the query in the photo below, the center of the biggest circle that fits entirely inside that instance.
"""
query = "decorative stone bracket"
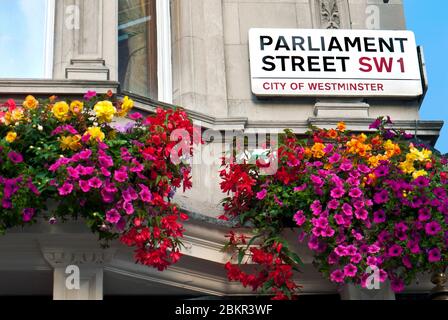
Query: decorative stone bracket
(78, 267)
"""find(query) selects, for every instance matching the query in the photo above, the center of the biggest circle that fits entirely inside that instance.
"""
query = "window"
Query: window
(137, 39)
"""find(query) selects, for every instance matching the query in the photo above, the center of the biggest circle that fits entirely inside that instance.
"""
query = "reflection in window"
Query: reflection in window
(137, 40)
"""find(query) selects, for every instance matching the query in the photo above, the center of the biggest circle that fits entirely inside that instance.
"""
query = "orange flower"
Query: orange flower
(109, 93)
(332, 134)
(341, 126)
(376, 141)
(318, 150)
(30, 102)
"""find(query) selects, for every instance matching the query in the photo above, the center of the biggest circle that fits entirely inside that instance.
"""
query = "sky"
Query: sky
(22, 53)
(22, 38)
(429, 22)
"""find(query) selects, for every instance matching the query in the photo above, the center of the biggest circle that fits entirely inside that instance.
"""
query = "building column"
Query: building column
(199, 70)
(78, 268)
(86, 40)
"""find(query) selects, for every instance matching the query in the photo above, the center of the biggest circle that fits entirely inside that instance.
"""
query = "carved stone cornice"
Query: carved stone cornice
(62, 258)
(63, 250)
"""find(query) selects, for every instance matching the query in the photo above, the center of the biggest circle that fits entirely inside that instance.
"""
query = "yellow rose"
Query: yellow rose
(60, 111)
(76, 106)
(11, 136)
(65, 142)
(72, 143)
(17, 114)
(30, 102)
(126, 106)
(95, 133)
(419, 173)
(407, 167)
(105, 111)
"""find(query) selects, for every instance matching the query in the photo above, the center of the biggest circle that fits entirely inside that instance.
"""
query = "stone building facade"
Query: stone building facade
(192, 53)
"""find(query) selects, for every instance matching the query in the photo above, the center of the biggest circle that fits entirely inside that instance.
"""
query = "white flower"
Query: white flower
(40, 128)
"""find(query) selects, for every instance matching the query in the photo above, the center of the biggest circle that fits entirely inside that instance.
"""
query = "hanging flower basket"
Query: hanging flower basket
(371, 206)
(120, 179)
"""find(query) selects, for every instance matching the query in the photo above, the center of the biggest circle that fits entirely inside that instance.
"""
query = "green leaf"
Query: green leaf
(241, 255)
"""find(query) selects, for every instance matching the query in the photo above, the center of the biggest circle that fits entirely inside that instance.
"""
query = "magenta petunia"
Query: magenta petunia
(300, 188)
(381, 197)
(316, 207)
(355, 193)
(334, 158)
(433, 228)
(145, 194)
(135, 116)
(113, 216)
(15, 157)
(337, 276)
(434, 255)
(299, 218)
(128, 207)
(379, 216)
(381, 171)
(27, 214)
(347, 209)
(361, 214)
(66, 189)
(85, 154)
(262, 194)
(95, 183)
(105, 161)
(397, 285)
(120, 176)
(337, 193)
(350, 270)
(395, 250)
(84, 185)
(333, 204)
(89, 95)
(346, 165)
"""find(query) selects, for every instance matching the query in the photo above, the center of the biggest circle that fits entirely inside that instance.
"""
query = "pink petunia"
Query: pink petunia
(27, 214)
(334, 158)
(433, 228)
(128, 207)
(355, 193)
(89, 95)
(337, 276)
(145, 193)
(113, 216)
(66, 189)
(346, 165)
(15, 157)
(84, 185)
(347, 209)
(350, 270)
(337, 193)
(434, 255)
(379, 216)
(316, 207)
(120, 176)
(95, 183)
(395, 250)
(299, 218)
(262, 194)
